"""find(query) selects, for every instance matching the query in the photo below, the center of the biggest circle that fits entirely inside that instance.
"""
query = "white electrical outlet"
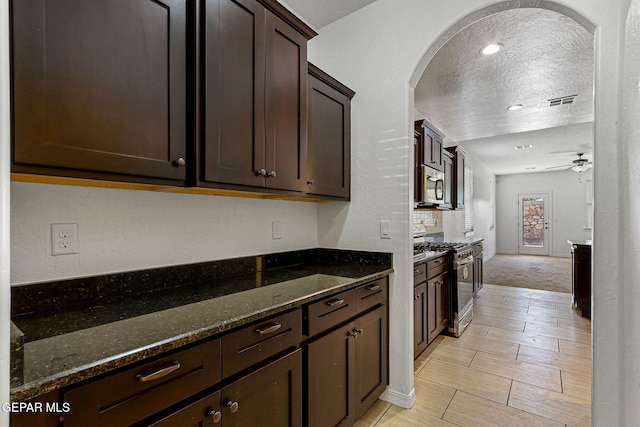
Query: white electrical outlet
(276, 230)
(64, 239)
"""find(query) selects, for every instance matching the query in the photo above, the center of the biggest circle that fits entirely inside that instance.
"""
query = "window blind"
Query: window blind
(468, 199)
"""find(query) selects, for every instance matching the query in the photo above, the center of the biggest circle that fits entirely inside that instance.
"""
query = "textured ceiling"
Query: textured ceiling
(546, 55)
(319, 13)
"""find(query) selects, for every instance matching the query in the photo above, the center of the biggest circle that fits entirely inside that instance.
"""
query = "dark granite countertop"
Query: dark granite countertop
(580, 242)
(65, 346)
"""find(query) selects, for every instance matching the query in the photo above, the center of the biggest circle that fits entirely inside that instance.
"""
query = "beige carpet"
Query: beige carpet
(529, 271)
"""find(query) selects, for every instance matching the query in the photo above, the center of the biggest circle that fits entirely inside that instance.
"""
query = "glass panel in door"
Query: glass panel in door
(534, 212)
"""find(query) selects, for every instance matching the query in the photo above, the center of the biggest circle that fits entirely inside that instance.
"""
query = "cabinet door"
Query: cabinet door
(431, 148)
(329, 145)
(234, 62)
(270, 396)
(286, 106)
(477, 274)
(447, 165)
(201, 413)
(99, 88)
(331, 378)
(432, 310)
(442, 302)
(372, 349)
(419, 319)
(417, 159)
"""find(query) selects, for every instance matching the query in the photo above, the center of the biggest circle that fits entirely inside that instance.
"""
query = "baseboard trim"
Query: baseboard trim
(400, 399)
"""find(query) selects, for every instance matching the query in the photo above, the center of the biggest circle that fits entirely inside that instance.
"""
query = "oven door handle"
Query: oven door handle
(463, 262)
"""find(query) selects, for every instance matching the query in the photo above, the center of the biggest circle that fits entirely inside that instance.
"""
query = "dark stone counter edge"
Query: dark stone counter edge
(85, 372)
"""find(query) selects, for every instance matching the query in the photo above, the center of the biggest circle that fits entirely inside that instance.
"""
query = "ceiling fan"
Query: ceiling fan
(578, 165)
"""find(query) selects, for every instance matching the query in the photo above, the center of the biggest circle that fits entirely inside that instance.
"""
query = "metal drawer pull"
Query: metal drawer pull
(216, 416)
(416, 271)
(233, 407)
(270, 329)
(438, 261)
(373, 287)
(335, 302)
(162, 372)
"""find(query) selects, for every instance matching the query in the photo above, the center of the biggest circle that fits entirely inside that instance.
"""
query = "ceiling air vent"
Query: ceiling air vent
(562, 100)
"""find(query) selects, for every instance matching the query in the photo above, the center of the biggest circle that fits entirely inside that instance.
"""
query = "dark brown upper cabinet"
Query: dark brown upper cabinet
(254, 78)
(431, 145)
(458, 176)
(329, 149)
(99, 89)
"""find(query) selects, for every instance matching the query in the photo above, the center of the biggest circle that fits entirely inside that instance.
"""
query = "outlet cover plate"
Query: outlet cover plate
(64, 239)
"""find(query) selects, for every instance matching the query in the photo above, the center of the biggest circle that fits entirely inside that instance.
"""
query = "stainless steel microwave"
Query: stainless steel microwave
(432, 182)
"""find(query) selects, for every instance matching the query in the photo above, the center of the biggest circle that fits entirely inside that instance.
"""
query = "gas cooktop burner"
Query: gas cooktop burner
(459, 250)
(445, 245)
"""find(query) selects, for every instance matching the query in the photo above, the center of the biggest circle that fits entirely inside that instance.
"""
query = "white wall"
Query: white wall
(568, 202)
(484, 190)
(121, 230)
(4, 210)
(630, 206)
(380, 51)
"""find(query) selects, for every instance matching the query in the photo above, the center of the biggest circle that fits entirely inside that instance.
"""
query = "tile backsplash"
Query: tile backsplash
(427, 221)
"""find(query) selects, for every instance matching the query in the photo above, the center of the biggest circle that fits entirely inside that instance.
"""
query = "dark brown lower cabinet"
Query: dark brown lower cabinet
(581, 278)
(347, 370)
(420, 339)
(331, 378)
(372, 352)
(269, 396)
(437, 305)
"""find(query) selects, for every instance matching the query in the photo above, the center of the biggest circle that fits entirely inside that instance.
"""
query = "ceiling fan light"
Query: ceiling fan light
(580, 168)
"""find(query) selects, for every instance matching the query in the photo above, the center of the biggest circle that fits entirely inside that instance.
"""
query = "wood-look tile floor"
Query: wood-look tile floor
(525, 360)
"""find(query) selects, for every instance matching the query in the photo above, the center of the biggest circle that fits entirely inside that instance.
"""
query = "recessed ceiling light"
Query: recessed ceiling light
(523, 147)
(515, 107)
(490, 49)
(531, 168)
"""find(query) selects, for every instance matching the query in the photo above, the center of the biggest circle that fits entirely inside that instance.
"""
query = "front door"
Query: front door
(534, 213)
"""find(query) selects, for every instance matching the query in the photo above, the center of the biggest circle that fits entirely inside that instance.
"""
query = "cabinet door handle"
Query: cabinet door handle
(416, 272)
(233, 406)
(272, 174)
(310, 182)
(162, 372)
(262, 172)
(335, 302)
(353, 334)
(438, 261)
(360, 331)
(373, 287)
(270, 329)
(216, 416)
(179, 162)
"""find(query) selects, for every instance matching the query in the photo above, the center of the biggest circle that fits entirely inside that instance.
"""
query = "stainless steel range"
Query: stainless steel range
(461, 280)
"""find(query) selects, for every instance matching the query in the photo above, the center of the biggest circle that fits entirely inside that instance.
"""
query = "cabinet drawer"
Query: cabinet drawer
(259, 341)
(436, 266)
(477, 249)
(370, 295)
(419, 273)
(329, 312)
(130, 396)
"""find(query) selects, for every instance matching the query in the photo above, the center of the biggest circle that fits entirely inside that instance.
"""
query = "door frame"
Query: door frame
(546, 248)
